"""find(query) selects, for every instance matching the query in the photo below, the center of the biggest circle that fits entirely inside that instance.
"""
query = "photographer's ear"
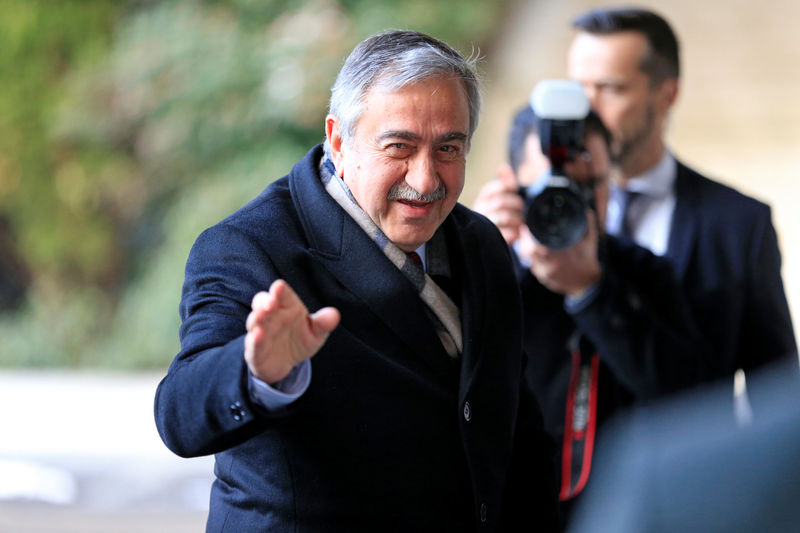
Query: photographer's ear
(667, 94)
(506, 176)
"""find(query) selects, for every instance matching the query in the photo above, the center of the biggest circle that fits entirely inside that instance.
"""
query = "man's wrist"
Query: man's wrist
(284, 392)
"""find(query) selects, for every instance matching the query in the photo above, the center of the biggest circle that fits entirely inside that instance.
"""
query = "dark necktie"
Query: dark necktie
(627, 220)
(444, 282)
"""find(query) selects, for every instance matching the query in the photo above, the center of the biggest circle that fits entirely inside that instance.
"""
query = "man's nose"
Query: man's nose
(422, 174)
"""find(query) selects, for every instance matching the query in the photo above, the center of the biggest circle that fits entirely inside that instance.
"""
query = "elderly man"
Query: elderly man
(413, 414)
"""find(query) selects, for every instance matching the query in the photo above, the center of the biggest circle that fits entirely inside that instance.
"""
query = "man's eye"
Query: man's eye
(612, 88)
(398, 149)
(449, 152)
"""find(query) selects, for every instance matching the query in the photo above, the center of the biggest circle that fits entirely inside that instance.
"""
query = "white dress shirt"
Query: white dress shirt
(651, 213)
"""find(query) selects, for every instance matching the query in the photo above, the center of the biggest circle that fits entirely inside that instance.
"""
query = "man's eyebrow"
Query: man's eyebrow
(398, 134)
(453, 136)
(410, 136)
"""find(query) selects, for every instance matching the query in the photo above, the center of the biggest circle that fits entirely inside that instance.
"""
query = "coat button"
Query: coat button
(237, 411)
(484, 510)
(467, 411)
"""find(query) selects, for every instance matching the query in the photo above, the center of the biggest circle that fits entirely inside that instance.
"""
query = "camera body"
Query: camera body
(555, 206)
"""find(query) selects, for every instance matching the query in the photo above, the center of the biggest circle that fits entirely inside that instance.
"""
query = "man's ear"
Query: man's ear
(506, 175)
(335, 142)
(668, 93)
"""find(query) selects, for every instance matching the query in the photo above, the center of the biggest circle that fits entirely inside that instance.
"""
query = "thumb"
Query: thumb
(507, 177)
(324, 321)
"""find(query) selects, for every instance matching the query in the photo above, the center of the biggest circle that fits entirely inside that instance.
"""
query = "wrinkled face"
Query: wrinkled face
(405, 164)
(608, 67)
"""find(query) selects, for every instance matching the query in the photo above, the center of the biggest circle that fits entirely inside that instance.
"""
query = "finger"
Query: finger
(284, 295)
(508, 218)
(261, 300)
(251, 320)
(491, 197)
(510, 202)
(324, 321)
(256, 343)
(506, 210)
(509, 234)
(494, 187)
(251, 341)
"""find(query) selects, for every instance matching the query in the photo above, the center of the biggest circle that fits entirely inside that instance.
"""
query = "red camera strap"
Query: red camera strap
(579, 425)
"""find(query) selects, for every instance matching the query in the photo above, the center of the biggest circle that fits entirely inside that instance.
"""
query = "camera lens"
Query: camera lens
(557, 217)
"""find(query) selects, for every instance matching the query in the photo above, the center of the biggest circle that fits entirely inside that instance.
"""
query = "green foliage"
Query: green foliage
(39, 43)
(127, 128)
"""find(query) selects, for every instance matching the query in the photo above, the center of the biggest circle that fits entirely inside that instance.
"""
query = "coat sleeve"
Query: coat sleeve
(642, 325)
(767, 334)
(203, 404)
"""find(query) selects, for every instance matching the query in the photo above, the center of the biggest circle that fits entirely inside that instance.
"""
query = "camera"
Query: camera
(555, 206)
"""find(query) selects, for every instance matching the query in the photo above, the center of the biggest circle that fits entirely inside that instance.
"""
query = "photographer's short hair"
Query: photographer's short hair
(525, 124)
(662, 60)
(394, 59)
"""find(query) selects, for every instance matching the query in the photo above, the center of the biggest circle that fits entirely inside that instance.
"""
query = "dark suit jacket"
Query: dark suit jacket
(726, 255)
(391, 435)
(639, 324)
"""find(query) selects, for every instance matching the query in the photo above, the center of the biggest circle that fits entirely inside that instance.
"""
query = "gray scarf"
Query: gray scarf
(444, 313)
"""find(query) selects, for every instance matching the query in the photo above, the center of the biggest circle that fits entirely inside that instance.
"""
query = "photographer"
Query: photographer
(722, 244)
(605, 323)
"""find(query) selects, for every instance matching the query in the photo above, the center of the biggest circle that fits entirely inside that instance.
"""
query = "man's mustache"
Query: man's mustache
(404, 191)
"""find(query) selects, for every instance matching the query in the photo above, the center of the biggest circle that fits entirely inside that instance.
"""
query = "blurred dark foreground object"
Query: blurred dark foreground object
(688, 466)
(14, 274)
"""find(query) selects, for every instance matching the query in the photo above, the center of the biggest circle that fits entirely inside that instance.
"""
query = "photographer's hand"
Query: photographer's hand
(499, 202)
(570, 271)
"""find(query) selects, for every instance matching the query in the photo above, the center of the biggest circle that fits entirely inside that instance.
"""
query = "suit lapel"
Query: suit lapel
(684, 222)
(470, 276)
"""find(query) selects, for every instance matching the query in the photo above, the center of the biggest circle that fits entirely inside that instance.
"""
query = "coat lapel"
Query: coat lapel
(684, 223)
(471, 276)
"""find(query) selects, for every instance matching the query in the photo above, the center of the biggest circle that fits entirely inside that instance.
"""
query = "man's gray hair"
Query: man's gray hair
(394, 59)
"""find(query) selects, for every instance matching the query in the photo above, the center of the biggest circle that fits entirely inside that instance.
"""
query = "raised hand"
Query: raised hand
(281, 333)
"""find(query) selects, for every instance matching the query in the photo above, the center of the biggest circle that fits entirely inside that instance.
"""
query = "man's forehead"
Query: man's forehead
(622, 49)
(398, 110)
